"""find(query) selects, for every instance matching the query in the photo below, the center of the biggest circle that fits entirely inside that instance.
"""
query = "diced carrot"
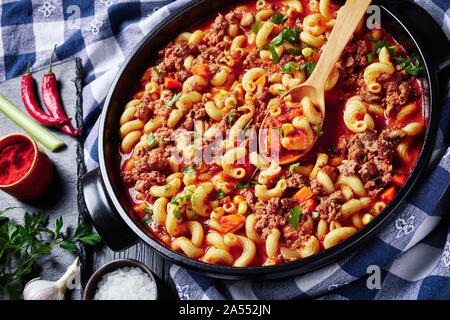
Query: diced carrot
(232, 222)
(273, 142)
(310, 205)
(399, 179)
(261, 81)
(172, 83)
(336, 161)
(201, 70)
(303, 194)
(388, 195)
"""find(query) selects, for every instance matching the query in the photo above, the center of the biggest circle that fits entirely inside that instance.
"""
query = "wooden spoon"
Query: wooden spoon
(348, 19)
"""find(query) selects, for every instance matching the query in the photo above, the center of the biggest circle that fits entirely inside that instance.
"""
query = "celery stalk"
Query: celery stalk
(41, 134)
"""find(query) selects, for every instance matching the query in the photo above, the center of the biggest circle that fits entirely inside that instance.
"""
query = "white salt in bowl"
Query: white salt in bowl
(121, 272)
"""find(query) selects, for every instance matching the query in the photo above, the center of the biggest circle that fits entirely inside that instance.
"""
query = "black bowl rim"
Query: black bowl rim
(96, 277)
(320, 259)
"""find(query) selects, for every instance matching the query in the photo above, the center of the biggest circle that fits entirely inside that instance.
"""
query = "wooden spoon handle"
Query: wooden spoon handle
(348, 19)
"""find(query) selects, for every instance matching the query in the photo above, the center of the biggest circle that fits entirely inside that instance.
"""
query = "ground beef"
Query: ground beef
(212, 55)
(218, 30)
(268, 216)
(328, 208)
(261, 96)
(397, 89)
(368, 96)
(348, 167)
(251, 200)
(173, 57)
(252, 60)
(162, 112)
(370, 157)
(196, 113)
(276, 214)
(182, 75)
(317, 188)
(352, 62)
(155, 160)
(164, 134)
(148, 179)
(407, 92)
(295, 180)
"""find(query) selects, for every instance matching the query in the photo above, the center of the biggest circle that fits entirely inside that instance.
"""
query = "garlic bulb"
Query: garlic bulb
(38, 289)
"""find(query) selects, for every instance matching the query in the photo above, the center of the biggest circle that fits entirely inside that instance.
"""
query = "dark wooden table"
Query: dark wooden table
(63, 198)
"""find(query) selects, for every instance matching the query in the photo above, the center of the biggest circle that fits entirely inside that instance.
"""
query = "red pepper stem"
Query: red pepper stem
(27, 72)
(51, 60)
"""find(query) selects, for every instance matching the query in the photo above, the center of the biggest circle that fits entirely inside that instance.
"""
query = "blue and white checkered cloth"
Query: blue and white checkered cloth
(413, 252)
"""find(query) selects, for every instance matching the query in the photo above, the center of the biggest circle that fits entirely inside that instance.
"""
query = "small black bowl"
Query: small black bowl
(91, 287)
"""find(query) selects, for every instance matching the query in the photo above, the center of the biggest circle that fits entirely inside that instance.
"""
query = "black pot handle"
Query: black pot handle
(108, 223)
(428, 30)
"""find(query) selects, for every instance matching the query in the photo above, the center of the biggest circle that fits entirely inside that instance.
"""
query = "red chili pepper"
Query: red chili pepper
(51, 99)
(32, 105)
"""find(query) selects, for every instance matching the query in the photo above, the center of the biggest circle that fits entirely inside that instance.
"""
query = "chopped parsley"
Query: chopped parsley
(377, 46)
(152, 142)
(307, 46)
(287, 68)
(315, 214)
(158, 73)
(173, 100)
(166, 187)
(147, 220)
(278, 18)
(275, 56)
(293, 51)
(176, 213)
(281, 92)
(319, 130)
(195, 217)
(231, 116)
(307, 66)
(371, 56)
(246, 126)
(220, 194)
(286, 35)
(189, 169)
(196, 135)
(241, 185)
(295, 217)
(255, 26)
(148, 211)
(408, 66)
(293, 166)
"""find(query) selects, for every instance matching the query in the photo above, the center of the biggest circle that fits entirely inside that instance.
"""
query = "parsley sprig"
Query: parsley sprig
(173, 100)
(377, 46)
(286, 35)
(296, 213)
(308, 66)
(24, 243)
(152, 142)
(241, 185)
(408, 66)
(278, 18)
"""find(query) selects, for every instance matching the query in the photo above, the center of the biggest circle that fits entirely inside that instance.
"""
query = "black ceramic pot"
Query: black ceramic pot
(105, 196)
